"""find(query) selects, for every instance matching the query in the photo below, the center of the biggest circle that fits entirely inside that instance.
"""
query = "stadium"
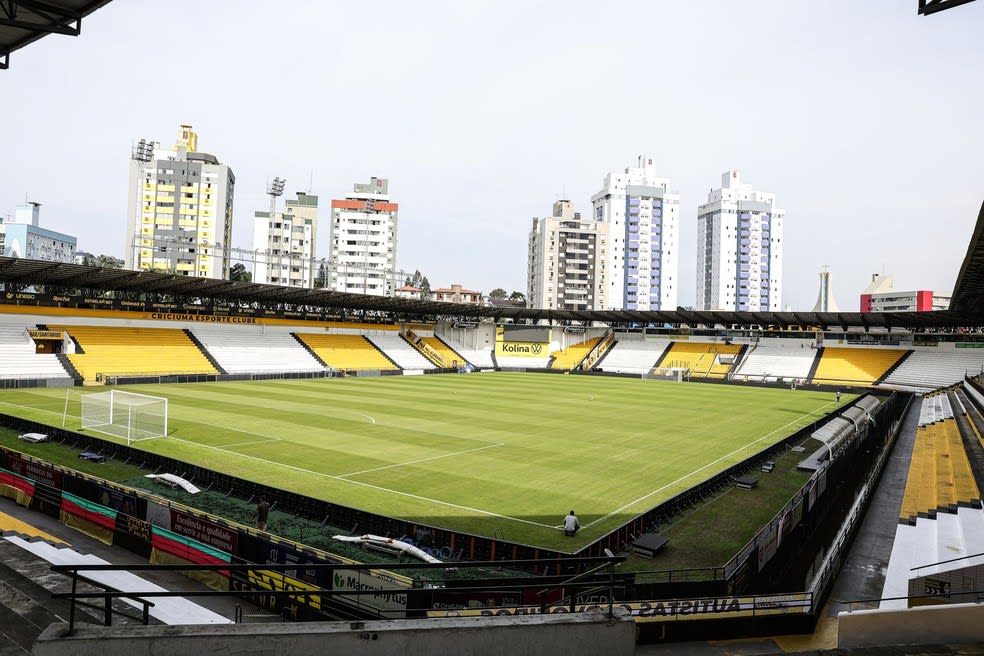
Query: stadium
(190, 464)
(719, 463)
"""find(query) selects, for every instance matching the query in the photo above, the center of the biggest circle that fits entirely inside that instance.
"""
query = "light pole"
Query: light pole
(370, 210)
(274, 189)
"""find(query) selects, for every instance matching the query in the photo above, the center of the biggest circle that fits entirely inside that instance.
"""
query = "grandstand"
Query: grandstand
(855, 366)
(480, 358)
(347, 352)
(773, 360)
(400, 351)
(356, 441)
(933, 368)
(572, 356)
(19, 359)
(700, 359)
(116, 350)
(256, 349)
(449, 357)
(940, 478)
(632, 356)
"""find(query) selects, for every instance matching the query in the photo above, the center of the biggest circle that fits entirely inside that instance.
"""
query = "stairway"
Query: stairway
(26, 606)
(201, 347)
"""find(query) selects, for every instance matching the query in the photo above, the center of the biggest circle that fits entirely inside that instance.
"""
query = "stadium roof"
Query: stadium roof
(968, 293)
(927, 7)
(61, 276)
(23, 22)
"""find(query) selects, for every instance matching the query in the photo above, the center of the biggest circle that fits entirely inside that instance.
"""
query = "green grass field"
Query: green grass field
(505, 454)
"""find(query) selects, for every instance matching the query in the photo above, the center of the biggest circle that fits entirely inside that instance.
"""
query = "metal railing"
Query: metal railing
(598, 575)
(938, 595)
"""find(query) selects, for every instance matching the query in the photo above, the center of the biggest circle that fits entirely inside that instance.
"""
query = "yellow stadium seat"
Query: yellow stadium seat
(570, 357)
(701, 358)
(448, 356)
(347, 352)
(135, 351)
(855, 366)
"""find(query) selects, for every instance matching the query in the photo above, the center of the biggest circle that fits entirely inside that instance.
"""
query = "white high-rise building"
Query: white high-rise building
(643, 216)
(362, 238)
(739, 249)
(24, 237)
(567, 261)
(285, 243)
(179, 216)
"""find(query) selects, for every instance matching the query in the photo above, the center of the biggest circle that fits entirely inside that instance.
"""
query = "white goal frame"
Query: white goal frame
(128, 415)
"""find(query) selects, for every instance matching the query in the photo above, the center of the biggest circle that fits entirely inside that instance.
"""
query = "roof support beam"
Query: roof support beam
(51, 28)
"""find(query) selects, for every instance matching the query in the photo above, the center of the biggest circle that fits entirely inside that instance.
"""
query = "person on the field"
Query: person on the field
(838, 396)
(571, 524)
(262, 513)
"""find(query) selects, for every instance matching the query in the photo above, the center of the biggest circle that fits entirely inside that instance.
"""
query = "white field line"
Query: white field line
(238, 444)
(414, 462)
(338, 478)
(700, 469)
(368, 485)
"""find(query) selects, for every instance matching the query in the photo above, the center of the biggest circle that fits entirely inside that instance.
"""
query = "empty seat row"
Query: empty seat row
(254, 349)
(347, 352)
(134, 351)
(700, 358)
(570, 357)
(766, 361)
(401, 352)
(19, 358)
(940, 478)
(633, 356)
(855, 366)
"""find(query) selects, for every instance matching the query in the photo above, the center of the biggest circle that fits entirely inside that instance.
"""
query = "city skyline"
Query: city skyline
(848, 121)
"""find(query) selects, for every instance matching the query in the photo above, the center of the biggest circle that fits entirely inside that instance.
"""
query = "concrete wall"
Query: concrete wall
(574, 634)
(957, 623)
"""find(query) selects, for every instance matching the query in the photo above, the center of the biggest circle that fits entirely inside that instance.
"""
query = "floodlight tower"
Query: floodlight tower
(275, 188)
(143, 152)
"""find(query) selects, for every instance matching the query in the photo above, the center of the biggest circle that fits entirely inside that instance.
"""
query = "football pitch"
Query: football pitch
(497, 454)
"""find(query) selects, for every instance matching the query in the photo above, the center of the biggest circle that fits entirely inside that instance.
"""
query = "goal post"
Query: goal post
(128, 415)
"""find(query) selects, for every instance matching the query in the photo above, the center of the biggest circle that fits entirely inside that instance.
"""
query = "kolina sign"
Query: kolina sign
(523, 349)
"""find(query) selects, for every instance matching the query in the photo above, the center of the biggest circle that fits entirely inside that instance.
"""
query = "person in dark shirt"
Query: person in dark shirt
(262, 513)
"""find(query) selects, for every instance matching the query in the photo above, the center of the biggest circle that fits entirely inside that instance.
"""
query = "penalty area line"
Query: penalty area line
(414, 462)
(700, 469)
(239, 444)
(379, 488)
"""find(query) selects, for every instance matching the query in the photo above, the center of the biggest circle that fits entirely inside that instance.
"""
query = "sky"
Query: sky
(862, 117)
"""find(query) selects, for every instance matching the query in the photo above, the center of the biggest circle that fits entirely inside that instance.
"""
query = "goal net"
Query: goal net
(125, 414)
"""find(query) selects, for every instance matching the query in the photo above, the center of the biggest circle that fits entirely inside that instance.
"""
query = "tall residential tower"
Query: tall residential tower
(739, 249)
(362, 240)
(179, 216)
(566, 265)
(643, 217)
(285, 243)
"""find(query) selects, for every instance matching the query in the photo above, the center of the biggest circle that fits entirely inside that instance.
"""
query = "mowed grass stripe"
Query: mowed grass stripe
(604, 446)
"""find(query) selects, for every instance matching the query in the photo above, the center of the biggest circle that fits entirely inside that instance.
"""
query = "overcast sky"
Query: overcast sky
(863, 118)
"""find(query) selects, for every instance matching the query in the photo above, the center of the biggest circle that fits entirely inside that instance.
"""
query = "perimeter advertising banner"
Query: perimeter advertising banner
(391, 605)
(666, 610)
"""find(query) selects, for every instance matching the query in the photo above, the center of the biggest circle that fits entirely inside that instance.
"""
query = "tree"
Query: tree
(238, 273)
(498, 292)
(107, 262)
(321, 281)
(425, 288)
(517, 296)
